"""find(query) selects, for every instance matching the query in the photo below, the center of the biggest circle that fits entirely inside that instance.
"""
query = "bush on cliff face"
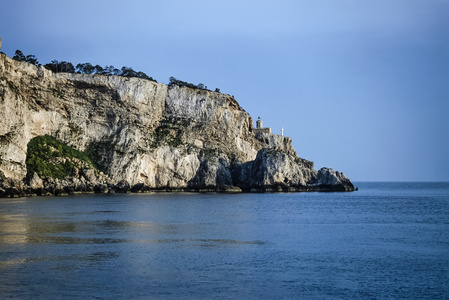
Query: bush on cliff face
(169, 132)
(49, 157)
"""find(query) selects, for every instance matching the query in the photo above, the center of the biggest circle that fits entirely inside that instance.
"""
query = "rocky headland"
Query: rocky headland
(63, 133)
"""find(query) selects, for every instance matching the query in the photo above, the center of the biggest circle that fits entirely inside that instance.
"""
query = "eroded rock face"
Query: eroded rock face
(145, 134)
(328, 179)
(36, 182)
(277, 171)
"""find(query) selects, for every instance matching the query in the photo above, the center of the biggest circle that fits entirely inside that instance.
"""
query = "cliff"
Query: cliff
(112, 133)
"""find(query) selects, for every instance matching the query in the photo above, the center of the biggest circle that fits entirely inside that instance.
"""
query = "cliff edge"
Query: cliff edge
(63, 132)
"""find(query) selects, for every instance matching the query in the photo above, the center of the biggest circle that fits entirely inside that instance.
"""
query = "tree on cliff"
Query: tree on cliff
(129, 72)
(60, 66)
(98, 69)
(174, 81)
(111, 70)
(32, 59)
(85, 68)
(19, 56)
(180, 83)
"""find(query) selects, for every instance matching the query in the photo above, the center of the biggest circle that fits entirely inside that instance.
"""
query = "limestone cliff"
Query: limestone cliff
(141, 136)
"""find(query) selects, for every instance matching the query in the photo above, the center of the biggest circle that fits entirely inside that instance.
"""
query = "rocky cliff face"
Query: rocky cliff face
(142, 136)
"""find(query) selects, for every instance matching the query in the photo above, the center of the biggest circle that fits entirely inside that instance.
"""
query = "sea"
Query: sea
(388, 240)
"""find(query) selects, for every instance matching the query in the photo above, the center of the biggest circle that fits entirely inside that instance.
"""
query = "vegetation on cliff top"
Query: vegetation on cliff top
(200, 86)
(87, 68)
(29, 58)
(82, 68)
(49, 157)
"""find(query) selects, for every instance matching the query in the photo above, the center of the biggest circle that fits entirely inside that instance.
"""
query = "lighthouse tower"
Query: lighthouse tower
(259, 123)
(259, 127)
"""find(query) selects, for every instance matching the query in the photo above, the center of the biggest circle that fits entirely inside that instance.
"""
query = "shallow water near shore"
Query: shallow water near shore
(387, 240)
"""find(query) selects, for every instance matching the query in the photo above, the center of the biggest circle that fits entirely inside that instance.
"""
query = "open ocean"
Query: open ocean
(385, 241)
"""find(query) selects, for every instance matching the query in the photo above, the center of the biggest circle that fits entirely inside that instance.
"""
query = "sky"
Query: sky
(361, 86)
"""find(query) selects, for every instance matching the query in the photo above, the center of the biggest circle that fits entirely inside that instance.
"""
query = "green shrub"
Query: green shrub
(49, 157)
(170, 132)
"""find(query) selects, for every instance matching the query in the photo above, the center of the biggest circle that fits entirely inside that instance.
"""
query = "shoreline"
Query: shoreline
(13, 192)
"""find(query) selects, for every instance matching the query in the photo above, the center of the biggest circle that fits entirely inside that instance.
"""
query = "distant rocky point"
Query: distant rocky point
(63, 133)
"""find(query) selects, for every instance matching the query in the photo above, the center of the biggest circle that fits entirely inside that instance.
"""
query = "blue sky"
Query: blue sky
(360, 86)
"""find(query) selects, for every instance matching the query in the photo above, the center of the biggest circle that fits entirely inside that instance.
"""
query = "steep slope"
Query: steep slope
(142, 136)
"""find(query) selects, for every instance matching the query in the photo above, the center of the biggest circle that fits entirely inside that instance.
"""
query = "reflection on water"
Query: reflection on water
(19, 229)
(13, 229)
(387, 242)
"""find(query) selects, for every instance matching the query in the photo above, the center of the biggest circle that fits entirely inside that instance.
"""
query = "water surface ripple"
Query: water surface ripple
(388, 240)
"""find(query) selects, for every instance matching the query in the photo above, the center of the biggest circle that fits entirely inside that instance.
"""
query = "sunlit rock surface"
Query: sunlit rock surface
(143, 136)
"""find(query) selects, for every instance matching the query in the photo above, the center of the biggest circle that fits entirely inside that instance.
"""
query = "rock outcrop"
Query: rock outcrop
(142, 136)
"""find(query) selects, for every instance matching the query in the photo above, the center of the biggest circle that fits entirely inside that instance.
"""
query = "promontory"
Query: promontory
(63, 133)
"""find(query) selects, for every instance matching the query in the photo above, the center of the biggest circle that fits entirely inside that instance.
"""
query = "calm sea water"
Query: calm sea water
(388, 240)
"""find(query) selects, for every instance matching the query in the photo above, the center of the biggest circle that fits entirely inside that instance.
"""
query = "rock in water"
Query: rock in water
(140, 135)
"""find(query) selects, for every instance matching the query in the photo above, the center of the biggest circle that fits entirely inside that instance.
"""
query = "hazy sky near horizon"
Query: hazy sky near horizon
(360, 86)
